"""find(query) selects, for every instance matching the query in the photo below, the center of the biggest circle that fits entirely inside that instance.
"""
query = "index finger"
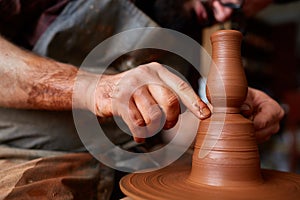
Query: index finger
(185, 92)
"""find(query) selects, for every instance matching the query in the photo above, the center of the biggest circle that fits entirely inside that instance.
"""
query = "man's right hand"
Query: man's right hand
(147, 96)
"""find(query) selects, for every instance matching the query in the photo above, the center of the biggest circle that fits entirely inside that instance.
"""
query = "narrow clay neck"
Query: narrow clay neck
(232, 157)
(226, 44)
(226, 85)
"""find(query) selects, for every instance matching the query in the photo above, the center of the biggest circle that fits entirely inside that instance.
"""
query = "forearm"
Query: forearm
(32, 82)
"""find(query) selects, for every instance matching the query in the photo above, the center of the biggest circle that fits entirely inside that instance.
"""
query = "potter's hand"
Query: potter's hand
(221, 13)
(265, 112)
(146, 96)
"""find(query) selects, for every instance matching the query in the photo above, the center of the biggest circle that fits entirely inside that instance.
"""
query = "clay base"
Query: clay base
(172, 183)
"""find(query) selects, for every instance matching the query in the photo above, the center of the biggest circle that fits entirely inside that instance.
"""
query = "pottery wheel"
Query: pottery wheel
(172, 183)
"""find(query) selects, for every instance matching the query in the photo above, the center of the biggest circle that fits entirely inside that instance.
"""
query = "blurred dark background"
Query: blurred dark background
(271, 52)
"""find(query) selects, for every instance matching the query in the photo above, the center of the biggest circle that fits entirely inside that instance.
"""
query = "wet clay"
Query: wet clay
(225, 162)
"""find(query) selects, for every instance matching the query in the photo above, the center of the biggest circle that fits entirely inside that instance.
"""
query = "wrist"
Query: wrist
(84, 90)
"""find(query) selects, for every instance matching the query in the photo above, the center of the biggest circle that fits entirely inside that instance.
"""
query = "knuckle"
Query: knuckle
(139, 91)
(259, 124)
(173, 101)
(155, 113)
(143, 73)
(281, 113)
(136, 120)
(276, 129)
(155, 64)
(149, 68)
(143, 69)
(183, 86)
(170, 124)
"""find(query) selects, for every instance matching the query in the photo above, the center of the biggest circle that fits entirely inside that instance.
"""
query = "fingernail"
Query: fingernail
(245, 107)
(204, 112)
(246, 110)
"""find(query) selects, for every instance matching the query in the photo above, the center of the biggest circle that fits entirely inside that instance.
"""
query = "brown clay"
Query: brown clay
(230, 169)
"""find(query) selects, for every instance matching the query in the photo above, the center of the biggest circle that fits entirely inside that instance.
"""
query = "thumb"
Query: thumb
(246, 110)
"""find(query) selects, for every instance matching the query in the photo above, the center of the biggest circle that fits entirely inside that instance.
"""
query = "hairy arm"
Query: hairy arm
(29, 81)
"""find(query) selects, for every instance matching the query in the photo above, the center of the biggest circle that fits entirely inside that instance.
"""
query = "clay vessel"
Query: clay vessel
(233, 157)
